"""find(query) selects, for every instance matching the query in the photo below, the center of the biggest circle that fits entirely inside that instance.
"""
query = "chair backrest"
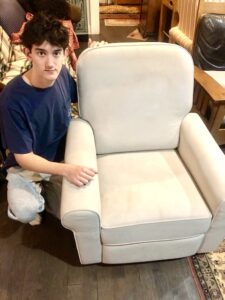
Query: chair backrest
(135, 95)
(189, 12)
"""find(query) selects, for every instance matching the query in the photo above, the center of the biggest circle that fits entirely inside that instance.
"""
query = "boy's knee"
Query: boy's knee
(24, 214)
(24, 199)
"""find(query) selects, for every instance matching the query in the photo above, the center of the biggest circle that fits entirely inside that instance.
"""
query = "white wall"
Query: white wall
(93, 16)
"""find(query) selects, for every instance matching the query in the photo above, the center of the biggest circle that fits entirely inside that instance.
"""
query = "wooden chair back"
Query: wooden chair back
(188, 12)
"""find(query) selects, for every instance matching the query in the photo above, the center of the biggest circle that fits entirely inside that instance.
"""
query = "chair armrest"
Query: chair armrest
(206, 163)
(204, 159)
(210, 85)
(80, 206)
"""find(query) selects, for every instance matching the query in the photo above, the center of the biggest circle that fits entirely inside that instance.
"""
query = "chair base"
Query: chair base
(152, 251)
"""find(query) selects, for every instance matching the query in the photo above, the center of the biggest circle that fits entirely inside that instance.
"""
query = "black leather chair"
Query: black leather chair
(209, 59)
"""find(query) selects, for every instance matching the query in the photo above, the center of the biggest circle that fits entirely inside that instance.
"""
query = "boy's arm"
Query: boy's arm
(78, 175)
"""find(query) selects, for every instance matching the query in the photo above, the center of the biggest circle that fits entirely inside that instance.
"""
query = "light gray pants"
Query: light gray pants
(24, 194)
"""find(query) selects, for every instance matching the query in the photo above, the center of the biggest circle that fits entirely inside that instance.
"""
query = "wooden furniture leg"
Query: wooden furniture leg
(209, 103)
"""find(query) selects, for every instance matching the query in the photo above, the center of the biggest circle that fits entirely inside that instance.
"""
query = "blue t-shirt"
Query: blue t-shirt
(34, 119)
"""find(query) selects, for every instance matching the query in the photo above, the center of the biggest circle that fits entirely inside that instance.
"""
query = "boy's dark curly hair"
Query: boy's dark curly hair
(44, 28)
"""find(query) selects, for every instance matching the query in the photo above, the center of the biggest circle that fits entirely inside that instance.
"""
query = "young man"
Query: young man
(34, 117)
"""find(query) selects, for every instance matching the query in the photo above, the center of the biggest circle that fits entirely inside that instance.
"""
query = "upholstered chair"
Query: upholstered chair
(160, 188)
(188, 13)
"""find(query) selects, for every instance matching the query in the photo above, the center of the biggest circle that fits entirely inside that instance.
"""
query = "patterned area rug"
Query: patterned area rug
(119, 9)
(121, 22)
(209, 273)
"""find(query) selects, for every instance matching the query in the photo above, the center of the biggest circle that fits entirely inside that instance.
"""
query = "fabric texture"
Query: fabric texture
(29, 193)
(118, 95)
(83, 211)
(197, 143)
(157, 202)
(13, 60)
(159, 192)
(5, 52)
(158, 250)
(24, 196)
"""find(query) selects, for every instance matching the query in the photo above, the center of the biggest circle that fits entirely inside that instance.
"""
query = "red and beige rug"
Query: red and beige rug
(121, 22)
(119, 9)
(209, 273)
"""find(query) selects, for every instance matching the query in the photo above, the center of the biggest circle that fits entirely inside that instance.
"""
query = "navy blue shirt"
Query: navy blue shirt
(34, 119)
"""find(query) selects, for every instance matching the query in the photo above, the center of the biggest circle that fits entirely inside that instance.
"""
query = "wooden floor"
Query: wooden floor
(112, 34)
(41, 263)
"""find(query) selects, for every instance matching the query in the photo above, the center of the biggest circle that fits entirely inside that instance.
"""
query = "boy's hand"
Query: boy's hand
(79, 175)
(93, 44)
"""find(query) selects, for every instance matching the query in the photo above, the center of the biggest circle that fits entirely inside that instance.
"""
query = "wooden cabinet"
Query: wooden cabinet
(149, 17)
(126, 2)
(82, 26)
(167, 19)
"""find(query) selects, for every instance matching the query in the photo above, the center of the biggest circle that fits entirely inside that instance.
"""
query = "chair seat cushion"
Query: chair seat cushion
(157, 202)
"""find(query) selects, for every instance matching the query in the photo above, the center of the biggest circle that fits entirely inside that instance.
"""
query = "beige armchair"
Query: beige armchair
(160, 189)
(188, 12)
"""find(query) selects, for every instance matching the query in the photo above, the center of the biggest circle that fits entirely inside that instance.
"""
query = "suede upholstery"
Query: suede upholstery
(159, 193)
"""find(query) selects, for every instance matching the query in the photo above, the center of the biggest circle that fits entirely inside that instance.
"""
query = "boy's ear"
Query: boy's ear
(66, 52)
(27, 52)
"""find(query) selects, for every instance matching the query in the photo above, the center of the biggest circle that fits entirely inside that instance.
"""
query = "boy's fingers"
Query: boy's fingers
(90, 172)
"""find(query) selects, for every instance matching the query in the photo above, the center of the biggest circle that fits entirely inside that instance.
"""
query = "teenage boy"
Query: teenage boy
(34, 116)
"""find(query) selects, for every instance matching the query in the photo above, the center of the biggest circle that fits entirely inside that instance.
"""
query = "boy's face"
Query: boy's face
(47, 61)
